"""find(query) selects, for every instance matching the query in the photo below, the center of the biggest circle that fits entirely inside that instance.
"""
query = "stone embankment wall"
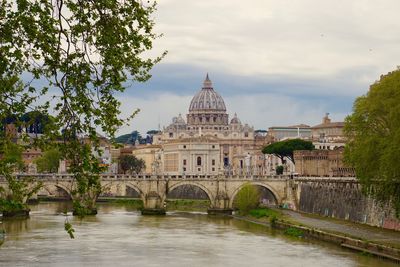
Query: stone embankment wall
(343, 199)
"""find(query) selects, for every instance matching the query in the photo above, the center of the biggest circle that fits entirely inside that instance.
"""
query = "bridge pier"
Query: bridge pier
(153, 205)
(221, 206)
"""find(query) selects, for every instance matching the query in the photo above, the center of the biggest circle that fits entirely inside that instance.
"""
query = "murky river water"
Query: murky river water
(120, 236)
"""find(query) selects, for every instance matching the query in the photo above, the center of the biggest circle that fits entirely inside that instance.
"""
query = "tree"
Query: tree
(285, 148)
(19, 190)
(131, 163)
(130, 138)
(247, 198)
(373, 133)
(153, 132)
(279, 170)
(86, 52)
(49, 161)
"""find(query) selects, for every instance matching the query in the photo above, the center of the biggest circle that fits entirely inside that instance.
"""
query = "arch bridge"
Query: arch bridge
(153, 189)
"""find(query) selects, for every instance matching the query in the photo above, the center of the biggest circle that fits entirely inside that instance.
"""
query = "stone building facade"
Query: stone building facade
(321, 163)
(328, 131)
(278, 133)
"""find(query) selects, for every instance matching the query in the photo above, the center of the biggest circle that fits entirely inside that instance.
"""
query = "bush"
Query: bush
(247, 199)
(11, 206)
(279, 170)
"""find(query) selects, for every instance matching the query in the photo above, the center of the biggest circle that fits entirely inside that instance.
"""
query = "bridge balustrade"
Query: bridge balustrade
(66, 176)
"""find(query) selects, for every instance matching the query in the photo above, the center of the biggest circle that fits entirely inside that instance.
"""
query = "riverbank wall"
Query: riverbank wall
(342, 198)
(363, 246)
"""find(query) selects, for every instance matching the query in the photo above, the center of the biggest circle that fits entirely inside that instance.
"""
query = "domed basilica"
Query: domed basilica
(207, 143)
(207, 117)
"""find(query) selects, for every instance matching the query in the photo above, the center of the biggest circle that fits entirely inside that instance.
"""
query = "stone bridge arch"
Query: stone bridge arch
(275, 194)
(138, 190)
(206, 190)
(47, 187)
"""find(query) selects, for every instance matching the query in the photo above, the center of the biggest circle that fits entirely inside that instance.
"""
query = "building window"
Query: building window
(171, 135)
(184, 146)
(213, 162)
(199, 169)
(213, 146)
(246, 134)
(226, 161)
(184, 169)
(198, 161)
(184, 162)
(213, 169)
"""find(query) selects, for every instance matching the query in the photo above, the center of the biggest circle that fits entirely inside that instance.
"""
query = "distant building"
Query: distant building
(279, 133)
(150, 155)
(328, 131)
(322, 163)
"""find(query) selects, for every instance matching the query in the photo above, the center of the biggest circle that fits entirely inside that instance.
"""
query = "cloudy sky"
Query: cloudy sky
(275, 62)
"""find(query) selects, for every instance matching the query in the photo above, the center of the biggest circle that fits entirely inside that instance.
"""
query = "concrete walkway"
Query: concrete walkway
(356, 230)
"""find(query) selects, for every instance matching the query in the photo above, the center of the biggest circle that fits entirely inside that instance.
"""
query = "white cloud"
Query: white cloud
(307, 38)
(154, 111)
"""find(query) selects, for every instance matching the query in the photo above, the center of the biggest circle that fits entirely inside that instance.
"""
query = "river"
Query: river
(120, 236)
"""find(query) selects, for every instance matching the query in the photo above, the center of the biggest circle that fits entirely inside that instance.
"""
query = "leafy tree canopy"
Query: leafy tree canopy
(135, 136)
(18, 190)
(49, 161)
(285, 148)
(153, 132)
(77, 55)
(373, 132)
(130, 138)
(131, 164)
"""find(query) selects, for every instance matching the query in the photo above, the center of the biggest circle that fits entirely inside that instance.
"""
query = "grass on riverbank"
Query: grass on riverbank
(294, 232)
(131, 202)
(264, 212)
(172, 204)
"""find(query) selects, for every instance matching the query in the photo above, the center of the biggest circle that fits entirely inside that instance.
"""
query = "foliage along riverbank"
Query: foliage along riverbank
(171, 204)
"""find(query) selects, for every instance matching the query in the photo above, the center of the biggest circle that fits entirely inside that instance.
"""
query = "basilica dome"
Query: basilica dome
(207, 99)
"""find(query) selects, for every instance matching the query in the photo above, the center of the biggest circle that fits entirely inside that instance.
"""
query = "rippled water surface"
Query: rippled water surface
(119, 236)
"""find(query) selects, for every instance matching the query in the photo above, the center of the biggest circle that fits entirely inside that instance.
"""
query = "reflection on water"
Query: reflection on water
(120, 236)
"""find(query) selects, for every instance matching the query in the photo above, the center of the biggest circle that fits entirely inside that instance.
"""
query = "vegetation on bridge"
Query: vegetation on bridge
(373, 132)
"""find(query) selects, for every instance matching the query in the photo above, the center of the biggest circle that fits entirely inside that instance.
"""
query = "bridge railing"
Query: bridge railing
(56, 176)
(111, 177)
